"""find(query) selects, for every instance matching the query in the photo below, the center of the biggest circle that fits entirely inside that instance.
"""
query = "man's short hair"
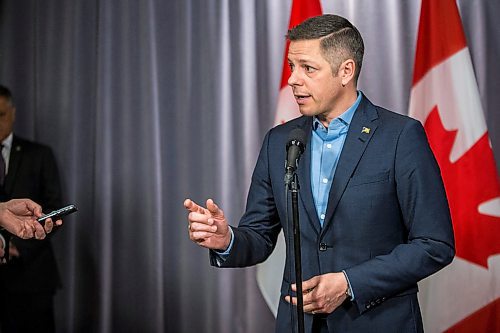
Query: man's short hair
(5, 93)
(340, 40)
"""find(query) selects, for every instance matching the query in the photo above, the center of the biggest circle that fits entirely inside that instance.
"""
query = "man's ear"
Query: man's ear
(346, 71)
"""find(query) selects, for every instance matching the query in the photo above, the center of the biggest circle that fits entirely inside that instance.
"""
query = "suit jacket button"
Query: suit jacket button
(367, 306)
(322, 247)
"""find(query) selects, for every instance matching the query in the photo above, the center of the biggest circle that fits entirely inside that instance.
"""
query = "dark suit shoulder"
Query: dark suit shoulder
(26, 146)
(394, 118)
(285, 128)
(280, 133)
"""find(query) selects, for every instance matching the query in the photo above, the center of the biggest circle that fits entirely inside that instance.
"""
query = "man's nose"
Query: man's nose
(294, 79)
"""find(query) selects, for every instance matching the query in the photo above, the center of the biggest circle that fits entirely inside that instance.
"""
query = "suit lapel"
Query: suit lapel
(304, 175)
(361, 130)
(14, 162)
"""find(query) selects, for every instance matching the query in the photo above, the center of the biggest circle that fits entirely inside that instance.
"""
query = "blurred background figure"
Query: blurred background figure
(30, 279)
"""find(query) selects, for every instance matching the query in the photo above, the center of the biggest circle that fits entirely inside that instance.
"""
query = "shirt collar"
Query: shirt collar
(345, 117)
(7, 143)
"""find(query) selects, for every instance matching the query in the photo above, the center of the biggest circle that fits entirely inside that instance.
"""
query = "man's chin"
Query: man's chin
(305, 111)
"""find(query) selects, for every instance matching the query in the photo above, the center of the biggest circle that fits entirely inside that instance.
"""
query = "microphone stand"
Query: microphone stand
(293, 188)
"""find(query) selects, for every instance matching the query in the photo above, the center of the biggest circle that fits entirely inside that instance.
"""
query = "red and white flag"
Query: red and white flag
(465, 296)
(269, 273)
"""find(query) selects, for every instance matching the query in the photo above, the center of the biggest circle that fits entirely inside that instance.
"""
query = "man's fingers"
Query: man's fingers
(305, 300)
(197, 226)
(207, 226)
(214, 209)
(193, 206)
(307, 285)
(38, 230)
(25, 231)
(48, 225)
(200, 218)
(200, 235)
(33, 207)
(307, 306)
(190, 205)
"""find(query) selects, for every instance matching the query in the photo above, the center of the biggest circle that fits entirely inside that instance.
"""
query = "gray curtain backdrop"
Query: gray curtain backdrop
(148, 102)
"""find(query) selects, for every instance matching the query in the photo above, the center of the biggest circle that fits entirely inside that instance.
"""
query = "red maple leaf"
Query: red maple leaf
(469, 182)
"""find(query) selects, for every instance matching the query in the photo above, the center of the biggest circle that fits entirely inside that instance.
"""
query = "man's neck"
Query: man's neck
(345, 103)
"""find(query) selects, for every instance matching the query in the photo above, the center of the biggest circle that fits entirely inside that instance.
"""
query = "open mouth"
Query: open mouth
(301, 98)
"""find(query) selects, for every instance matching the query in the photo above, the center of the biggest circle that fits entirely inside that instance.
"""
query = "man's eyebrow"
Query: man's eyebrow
(302, 61)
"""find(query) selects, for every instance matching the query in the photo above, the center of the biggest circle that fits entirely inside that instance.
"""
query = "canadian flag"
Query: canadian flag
(465, 296)
(270, 272)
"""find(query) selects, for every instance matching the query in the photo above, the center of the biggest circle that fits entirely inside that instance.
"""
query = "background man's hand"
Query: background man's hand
(323, 293)
(18, 216)
(207, 226)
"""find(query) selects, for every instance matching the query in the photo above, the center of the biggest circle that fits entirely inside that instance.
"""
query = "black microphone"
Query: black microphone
(294, 148)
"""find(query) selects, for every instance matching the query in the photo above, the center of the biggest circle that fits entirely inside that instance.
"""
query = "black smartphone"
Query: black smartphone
(57, 214)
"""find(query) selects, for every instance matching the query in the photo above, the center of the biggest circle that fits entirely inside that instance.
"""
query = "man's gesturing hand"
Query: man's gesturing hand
(208, 226)
(323, 293)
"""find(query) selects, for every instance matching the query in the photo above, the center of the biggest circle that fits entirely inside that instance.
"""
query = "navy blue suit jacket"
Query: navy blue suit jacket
(387, 222)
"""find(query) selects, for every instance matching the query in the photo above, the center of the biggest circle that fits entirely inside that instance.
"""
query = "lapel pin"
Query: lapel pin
(365, 130)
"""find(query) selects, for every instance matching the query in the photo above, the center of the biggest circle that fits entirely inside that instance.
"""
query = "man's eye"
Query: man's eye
(292, 67)
(308, 68)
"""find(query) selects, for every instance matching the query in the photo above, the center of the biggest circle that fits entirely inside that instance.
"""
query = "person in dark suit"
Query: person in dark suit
(30, 172)
(373, 210)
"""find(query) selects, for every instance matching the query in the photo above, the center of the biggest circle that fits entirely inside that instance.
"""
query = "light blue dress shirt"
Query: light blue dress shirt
(326, 146)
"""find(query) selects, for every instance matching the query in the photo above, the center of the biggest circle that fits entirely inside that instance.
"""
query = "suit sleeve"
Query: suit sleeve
(426, 217)
(257, 233)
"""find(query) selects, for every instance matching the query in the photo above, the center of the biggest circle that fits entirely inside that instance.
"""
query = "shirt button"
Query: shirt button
(322, 247)
(329, 146)
(325, 180)
(322, 216)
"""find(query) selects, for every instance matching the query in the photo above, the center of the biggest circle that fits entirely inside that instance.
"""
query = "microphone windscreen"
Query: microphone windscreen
(297, 134)
(294, 148)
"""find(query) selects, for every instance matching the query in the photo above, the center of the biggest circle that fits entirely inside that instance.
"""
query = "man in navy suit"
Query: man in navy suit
(373, 210)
